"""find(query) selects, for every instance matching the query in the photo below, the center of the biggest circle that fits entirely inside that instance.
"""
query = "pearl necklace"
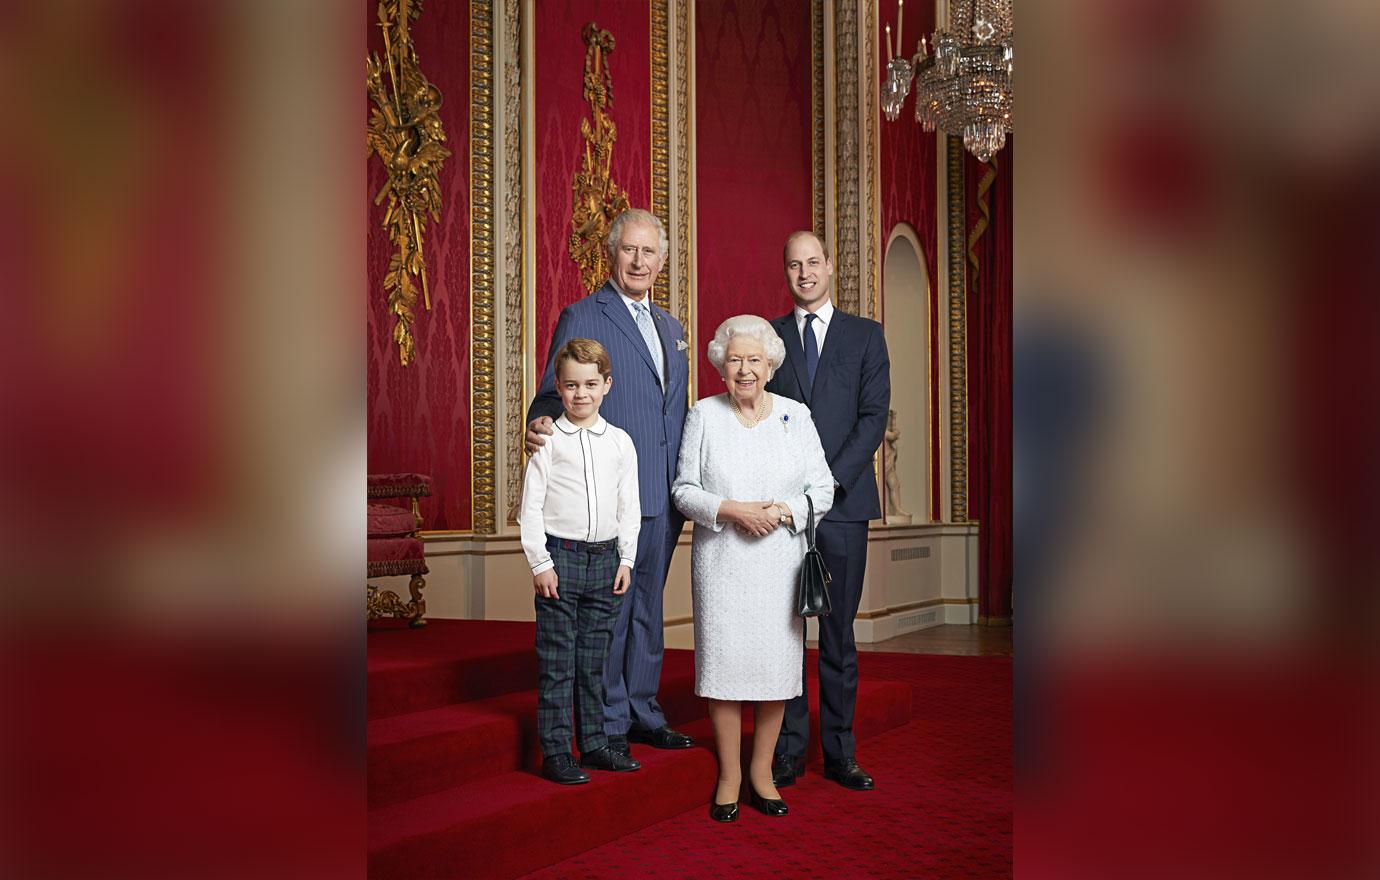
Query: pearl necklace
(758, 416)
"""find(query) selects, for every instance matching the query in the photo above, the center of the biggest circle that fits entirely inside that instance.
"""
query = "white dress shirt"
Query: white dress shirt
(825, 314)
(581, 485)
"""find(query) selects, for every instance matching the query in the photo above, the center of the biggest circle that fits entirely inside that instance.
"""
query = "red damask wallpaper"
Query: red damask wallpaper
(907, 181)
(419, 416)
(560, 105)
(752, 160)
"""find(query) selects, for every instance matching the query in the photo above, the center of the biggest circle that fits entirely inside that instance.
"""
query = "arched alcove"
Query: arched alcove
(906, 292)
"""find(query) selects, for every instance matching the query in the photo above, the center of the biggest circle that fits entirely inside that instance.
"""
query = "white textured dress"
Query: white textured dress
(749, 642)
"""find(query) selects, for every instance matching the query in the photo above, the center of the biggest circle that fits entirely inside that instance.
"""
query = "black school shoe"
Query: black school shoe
(608, 759)
(561, 769)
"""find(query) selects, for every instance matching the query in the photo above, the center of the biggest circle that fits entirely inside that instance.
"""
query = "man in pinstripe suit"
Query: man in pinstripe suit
(648, 400)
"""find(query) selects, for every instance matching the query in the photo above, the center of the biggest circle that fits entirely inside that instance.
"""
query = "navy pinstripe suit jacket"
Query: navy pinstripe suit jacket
(636, 402)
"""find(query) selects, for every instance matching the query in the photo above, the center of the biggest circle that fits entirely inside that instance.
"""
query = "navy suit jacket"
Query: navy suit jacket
(636, 402)
(849, 402)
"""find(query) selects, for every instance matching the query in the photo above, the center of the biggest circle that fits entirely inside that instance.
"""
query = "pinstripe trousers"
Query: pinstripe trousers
(633, 671)
(573, 635)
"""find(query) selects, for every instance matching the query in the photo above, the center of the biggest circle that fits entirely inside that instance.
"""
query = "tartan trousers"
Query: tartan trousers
(573, 636)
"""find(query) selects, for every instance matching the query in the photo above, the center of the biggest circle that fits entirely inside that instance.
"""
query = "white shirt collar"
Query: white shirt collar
(825, 313)
(629, 301)
(597, 429)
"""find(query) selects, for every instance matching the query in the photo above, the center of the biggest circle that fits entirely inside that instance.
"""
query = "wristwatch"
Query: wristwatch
(783, 513)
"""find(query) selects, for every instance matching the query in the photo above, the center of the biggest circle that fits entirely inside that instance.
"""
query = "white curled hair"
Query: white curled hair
(747, 325)
(645, 218)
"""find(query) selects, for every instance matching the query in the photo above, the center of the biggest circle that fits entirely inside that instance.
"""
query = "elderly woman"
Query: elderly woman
(747, 460)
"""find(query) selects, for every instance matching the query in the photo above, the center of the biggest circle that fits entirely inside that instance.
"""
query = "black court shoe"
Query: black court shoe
(723, 812)
(772, 807)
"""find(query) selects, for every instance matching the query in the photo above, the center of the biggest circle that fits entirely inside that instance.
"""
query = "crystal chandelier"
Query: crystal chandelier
(963, 76)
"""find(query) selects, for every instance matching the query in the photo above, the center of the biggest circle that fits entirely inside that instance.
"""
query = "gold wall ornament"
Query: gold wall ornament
(958, 333)
(598, 200)
(848, 245)
(406, 133)
(483, 273)
(661, 135)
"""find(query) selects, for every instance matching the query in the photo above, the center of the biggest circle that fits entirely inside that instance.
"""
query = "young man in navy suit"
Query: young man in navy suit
(837, 364)
(651, 372)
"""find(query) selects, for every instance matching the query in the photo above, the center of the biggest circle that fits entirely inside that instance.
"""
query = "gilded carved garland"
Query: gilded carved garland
(405, 132)
(597, 199)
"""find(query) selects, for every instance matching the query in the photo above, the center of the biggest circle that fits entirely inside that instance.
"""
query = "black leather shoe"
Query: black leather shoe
(562, 769)
(774, 807)
(607, 759)
(723, 812)
(661, 738)
(848, 774)
(620, 745)
(785, 769)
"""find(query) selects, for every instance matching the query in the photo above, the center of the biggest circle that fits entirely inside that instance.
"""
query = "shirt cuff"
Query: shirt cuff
(543, 566)
(626, 561)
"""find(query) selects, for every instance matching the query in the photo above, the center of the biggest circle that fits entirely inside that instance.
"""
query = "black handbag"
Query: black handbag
(812, 593)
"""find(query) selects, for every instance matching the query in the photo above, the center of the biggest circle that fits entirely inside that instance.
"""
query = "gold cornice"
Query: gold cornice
(661, 137)
(482, 477)
(515, 243)
(958, 334)
(817, 214)
(847, 248)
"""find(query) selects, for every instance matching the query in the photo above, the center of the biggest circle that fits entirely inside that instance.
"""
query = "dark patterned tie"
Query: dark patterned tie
(811, 349)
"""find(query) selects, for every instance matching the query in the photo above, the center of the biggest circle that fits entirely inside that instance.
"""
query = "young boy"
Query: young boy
(580, 518)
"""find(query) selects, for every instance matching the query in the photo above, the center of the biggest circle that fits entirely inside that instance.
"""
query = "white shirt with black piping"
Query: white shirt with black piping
(581, 485)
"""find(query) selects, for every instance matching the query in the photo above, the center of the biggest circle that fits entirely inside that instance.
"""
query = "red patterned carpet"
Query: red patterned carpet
(942, 807)
(452, 790)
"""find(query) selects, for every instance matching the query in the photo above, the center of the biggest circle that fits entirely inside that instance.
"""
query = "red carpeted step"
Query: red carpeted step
(448, 661)
(506, 824)
(422, 752)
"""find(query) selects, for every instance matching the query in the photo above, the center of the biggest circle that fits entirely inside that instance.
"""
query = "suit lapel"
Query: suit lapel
(617, 312)
(795, 355)
(663, 333)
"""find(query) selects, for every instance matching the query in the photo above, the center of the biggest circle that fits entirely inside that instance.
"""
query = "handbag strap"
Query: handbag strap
(810, 523)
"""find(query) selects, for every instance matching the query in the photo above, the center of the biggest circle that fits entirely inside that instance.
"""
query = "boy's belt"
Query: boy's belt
(553, 542)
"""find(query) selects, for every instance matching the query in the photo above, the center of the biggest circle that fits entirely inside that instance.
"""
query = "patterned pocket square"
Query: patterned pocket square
(681, 345)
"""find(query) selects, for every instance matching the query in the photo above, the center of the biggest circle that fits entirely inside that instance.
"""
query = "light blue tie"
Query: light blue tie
(644, 324)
